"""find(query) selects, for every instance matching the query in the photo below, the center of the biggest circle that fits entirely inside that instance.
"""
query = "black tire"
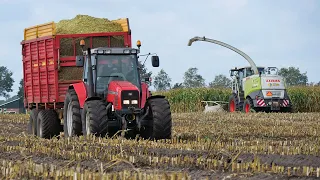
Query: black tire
(32, 126)
(161, 121)
(233, 104)
(76, 129)
(95, 112)
(248, 106)
(48, 124)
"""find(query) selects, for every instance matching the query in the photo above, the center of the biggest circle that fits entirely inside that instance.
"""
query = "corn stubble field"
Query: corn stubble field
(204, 146)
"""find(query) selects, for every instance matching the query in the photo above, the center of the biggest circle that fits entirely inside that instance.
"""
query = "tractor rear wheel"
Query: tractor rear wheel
(48, 124)
(94, 118)
(233, 103)
(159, 116)
(32, 126)
(71, 115)
(248, 106)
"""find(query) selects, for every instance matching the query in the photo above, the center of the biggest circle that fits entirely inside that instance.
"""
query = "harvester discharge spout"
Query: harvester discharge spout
(252, 64)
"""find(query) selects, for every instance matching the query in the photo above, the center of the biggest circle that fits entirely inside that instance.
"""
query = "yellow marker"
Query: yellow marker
(50, 62)
(82, 43)
(138, 43)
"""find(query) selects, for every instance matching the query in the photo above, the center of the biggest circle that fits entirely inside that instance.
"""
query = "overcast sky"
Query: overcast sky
(278, 33)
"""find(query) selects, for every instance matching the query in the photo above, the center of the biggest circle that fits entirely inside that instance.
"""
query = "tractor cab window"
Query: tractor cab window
(85, 71)
(116, 68)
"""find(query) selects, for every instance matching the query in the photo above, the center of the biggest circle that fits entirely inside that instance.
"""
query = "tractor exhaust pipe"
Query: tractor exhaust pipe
(90, 74)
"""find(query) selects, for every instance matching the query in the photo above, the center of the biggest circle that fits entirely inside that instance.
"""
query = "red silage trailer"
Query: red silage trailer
(49, 61)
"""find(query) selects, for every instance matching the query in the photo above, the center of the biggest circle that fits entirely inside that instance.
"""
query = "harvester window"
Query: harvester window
(261, 70)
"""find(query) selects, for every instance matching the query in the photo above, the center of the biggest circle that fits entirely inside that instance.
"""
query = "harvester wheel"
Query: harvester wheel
(94, 118)
(248, 106)
(160, 115)
(233, 103)
(32, 127)
(48, 124)
(71, 116)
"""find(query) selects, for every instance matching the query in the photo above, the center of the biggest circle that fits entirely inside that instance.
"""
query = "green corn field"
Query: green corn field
(305, 99)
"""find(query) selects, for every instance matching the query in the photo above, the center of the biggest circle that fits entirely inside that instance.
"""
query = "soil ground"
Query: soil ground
(11, 129)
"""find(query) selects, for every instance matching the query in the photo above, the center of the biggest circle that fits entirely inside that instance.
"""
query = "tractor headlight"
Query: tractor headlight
(134, 102)
(126, 102)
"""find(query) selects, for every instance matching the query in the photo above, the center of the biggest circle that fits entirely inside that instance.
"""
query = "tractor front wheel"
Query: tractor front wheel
(71, 115)
(248, 106)
(160, 118)
(233, 105)
(94, 118)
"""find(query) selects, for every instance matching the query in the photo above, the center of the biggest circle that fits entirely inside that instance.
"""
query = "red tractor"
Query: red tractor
(111, 97)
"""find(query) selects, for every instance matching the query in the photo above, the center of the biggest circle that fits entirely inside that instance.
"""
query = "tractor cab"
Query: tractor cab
(239, 74)
(112, 64)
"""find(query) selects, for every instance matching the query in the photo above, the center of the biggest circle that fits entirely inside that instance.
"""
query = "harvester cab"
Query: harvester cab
(254, 88)
(112, 97)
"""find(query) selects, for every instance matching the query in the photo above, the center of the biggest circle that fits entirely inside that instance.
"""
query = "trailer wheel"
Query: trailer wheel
(94, 118)
(248, 106)
(233, 103)
(71, 116)
(48, 124)
(32, 126)
(160, 126)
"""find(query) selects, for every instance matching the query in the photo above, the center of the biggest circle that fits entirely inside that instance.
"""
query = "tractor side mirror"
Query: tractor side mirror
(155, 61)
(79, 61)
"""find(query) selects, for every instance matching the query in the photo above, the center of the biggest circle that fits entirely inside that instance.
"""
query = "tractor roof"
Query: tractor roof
(245, 67)
(113, 50)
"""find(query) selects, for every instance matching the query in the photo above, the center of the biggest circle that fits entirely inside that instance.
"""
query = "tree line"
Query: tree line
(162, 80)
(192, 79)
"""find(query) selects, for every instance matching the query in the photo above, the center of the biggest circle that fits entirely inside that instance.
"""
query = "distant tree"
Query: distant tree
(21, 89)
(162, 81)
(177, 86)
(293, 76)
(193, 79)
(143, 71)
(6, 81)
(220, 81)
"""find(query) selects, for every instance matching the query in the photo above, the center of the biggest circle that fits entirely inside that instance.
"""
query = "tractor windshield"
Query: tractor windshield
(116, 68)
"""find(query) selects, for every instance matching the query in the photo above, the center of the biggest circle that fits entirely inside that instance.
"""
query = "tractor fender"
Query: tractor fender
(253, 96)
(156, 96)
(144, 102)
(93, 98)
(81, 91)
